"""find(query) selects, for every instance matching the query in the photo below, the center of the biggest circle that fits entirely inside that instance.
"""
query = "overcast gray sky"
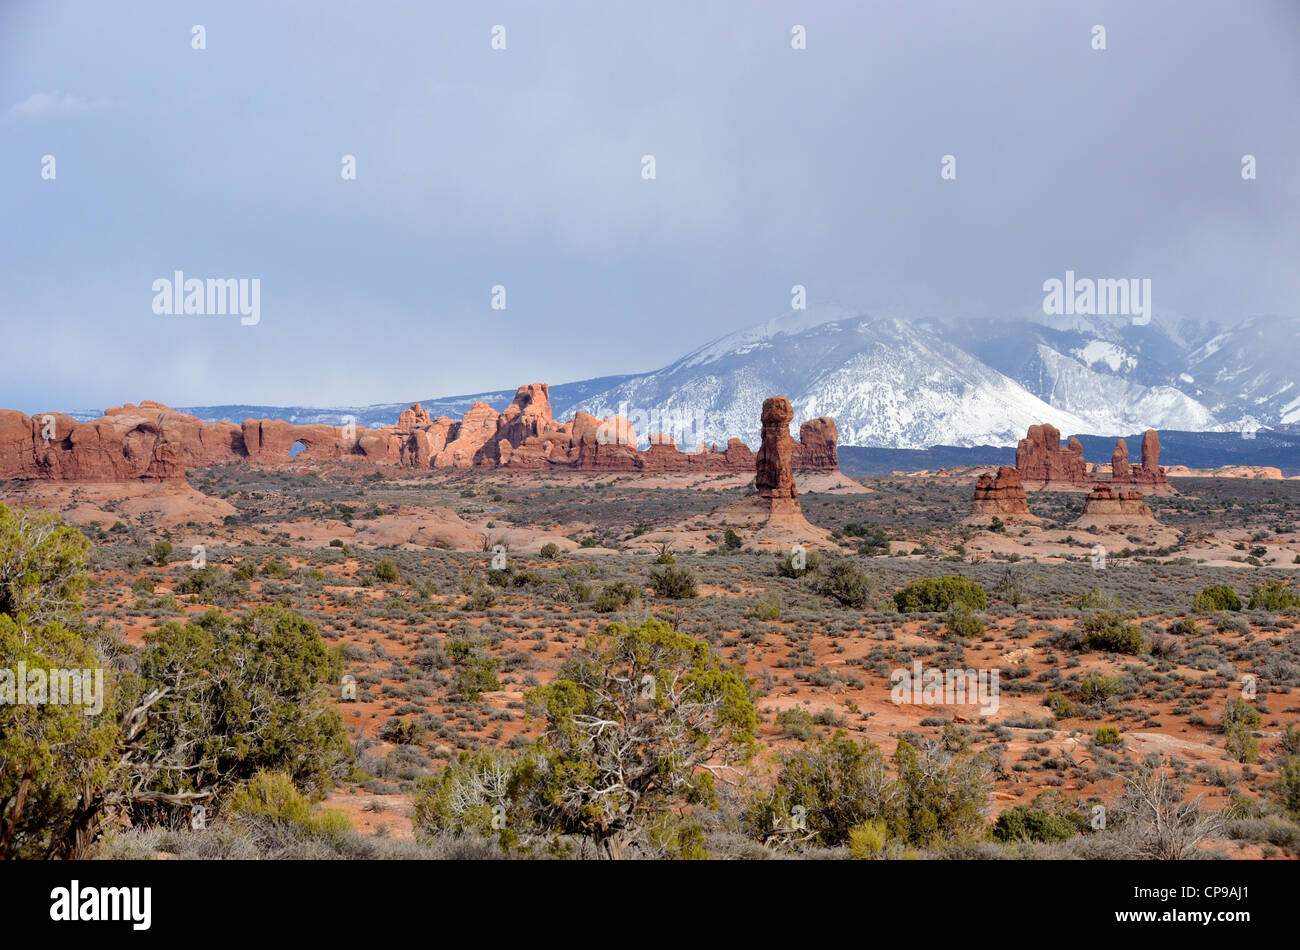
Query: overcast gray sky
(522, 167)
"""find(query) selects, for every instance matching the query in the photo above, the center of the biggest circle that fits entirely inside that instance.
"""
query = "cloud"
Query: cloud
(56, 105)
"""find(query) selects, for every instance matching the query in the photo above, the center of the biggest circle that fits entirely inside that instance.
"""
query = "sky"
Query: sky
(523, 168)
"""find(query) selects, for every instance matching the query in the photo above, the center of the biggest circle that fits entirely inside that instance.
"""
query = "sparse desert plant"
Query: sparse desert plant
(1027, 823)
(796, 723)
(868, 840)
(615, 596)
(1216, 598)
(1239, 721)
(1286, 788)
(638, 725)
(475, 669)
(789, 566)
(1011, 587)
(1098, 599)
(386, 571)
(1062, 706)
(549, 551)
(673, 582)
(767, 608)
(1274, 597)
(1162, 824)
(845, 582)
(1111, 633)
(272, 807)
(1107, 736)
(930, 594)
(961, 621)
(1097, 689)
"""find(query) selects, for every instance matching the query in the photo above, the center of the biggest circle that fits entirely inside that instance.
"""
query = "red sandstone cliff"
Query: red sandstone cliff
(152, 441)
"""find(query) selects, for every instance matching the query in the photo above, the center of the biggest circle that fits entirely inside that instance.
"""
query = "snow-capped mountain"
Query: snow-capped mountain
(890, 382)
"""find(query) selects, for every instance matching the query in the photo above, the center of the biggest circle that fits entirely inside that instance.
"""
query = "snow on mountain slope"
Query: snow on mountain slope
(913, 383)
(885, 381)
(1110, 403)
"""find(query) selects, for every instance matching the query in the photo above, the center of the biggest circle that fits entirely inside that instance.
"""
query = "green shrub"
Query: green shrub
(1062, 706)
(797, 723)
(1111, 633)
(1239, 744)
(1107, 736)
(161, 552)
(549, 551)
(1273, 597)
(1185, 627)
(674, 582)
(615, 596)
(1027, 823)
(961, 621)
(1286, 788)
(731, 541)
(769, 608)
(271, 798)
(930, 594)
(1096, 689)
(475, 668)
(868, 840)
(1098, 599)
(1239, 720)
(1216, 598)
(386, 572)
(845, 582)
(785, 566)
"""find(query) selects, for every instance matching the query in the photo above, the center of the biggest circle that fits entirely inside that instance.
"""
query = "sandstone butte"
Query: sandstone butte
(1001, 496)
(1043, 463)
(154, 442)
(1108, 505)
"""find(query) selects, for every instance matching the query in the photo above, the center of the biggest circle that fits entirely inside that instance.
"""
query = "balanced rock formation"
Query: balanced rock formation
(771, 517)
(1001, 497)
(1043, 463)
(1107, 505)
(774, 471)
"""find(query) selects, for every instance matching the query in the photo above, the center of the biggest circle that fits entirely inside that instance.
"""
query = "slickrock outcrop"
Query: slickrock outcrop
(1043, 463)
(1107, 505)
(1001, 497)
(151, 441)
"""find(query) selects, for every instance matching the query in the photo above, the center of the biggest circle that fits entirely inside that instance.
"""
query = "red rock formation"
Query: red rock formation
(1108, 504)
(817, 446)
(1042, 463)
(153, 441)
(1119, 467)
(773, 472)
(1148, 475)
(1001, 497)
(149, 441)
